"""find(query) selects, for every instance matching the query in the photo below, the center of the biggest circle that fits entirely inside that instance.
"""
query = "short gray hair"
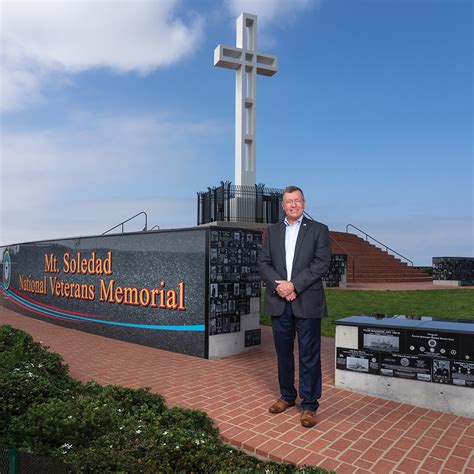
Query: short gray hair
(292, 189)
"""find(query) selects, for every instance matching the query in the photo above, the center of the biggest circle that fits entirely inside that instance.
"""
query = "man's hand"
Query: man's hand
(291, 297)
(285, 289)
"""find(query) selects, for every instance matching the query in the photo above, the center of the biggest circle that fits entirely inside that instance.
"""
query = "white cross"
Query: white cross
(247, 63)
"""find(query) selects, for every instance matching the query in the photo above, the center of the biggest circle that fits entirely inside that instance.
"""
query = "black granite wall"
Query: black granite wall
(147, 288)
(454, 269)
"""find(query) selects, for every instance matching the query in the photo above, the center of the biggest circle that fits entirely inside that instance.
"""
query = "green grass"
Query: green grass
(449, 304)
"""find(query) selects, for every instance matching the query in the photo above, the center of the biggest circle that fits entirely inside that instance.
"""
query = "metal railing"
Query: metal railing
(129, 219)
(342, 247)
(387, 248)
(232, 203)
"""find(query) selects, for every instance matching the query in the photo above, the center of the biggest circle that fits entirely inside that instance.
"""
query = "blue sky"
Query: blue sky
(110, 108)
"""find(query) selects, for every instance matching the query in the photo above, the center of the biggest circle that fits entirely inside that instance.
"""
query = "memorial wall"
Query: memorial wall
(424, 361)
(428, 350)
(176, 290)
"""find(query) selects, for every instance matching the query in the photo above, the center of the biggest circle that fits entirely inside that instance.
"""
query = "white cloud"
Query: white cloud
(39, 38)
(271, 11)
(94, 172)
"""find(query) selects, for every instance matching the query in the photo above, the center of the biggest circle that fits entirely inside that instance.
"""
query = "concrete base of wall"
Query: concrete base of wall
(434, 396)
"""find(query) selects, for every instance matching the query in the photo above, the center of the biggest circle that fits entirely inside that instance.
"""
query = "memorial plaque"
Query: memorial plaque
(253, 337)
(467, 347)
(441, 371)
(433, 343)
(357, 360)
(462, 373)
(382, 339)
(406, 366)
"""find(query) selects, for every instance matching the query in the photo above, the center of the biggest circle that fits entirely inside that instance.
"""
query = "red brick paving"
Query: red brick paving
(355, 433)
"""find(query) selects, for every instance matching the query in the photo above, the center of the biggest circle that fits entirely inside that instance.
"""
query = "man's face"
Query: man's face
(293, 205)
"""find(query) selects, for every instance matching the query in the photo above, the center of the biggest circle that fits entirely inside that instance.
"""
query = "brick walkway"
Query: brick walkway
(355, 433)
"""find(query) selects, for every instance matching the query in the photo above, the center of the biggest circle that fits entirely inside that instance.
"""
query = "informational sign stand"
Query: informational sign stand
(194, 291)
(422, 361)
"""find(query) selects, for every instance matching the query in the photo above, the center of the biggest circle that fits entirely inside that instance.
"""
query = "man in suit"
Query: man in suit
(296, 254)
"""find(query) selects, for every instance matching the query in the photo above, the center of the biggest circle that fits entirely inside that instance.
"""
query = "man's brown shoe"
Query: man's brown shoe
(280, 406)
(308, 418)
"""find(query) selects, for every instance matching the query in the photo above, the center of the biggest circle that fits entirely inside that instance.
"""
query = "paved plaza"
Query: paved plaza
(355, 433)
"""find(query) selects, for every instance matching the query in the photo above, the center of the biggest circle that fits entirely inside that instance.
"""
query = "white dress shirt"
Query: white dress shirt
(291, 234)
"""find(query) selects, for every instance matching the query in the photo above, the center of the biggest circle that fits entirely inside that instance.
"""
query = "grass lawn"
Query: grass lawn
(449, 304)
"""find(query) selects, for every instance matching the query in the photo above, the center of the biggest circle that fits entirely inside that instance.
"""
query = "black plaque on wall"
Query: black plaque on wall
(253, 337)
(433, 343)
(419, 348)
(355, 360)
(382, 339)
(406, 366)
(467, 347)
(462, 373)
(234, 277)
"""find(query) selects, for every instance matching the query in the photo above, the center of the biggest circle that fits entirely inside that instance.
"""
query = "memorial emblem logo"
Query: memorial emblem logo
(7, 269)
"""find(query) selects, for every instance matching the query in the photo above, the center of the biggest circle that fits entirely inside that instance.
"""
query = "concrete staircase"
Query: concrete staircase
(367, 263)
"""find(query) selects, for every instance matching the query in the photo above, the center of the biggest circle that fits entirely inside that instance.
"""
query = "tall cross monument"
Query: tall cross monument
(247, 63)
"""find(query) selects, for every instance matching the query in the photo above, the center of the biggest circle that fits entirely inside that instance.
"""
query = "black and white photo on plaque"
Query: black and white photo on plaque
(243, 305)
(226, 324)
(237, 236)
(434, 344)
(213, 255)
(250, 238)
(441, 371)
(462, 373)
(236, 289)
(214, 290)
(222, 252)
(218, 325)
(406, 366)
(234, 323)
(381, 339)
(212, 326)
(214, 235)
(357, 360)
(213, 273)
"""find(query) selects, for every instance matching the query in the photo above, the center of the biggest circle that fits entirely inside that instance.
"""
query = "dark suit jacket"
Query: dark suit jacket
(311, 262)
